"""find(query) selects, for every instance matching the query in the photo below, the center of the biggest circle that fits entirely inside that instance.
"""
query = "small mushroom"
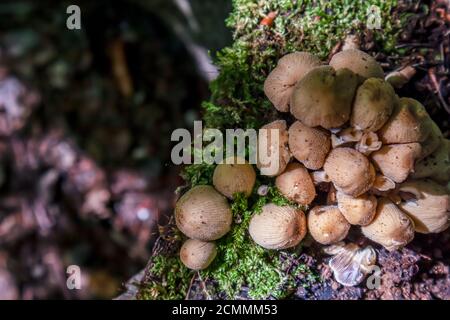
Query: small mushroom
(278, 227)
(436, 166)
(296, 184)
(427, 203)
(350, 171)
(396, 161)
(327, 225)
(319, 177)
(197, 254)
(432, 142)
(409, 122)
(350, 263)
(234, 176)
(383, 183)
(373, 105)
(357, 210)
(361, 63)
(401, 77)
(272, 160)
(368, 143)
(323, 97)
(281, 81)
(391, 227)
(308, 145)
(203, 214)
(345, 136)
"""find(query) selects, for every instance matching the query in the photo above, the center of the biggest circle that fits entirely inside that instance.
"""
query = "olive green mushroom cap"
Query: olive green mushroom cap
(361, 63)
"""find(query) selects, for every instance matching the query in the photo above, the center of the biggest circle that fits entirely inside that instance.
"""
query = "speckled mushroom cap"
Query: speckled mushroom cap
(203, 214)
(409, 122)
(323, 97)
(361, 63)
(373, 105)
(282, 80)
(278, 227)
(427, 203)
(296, 184)
(233, 176)
(350, 171)
(308, 145)
(327, 225)
(197, 254)
(357, 210)
(396, 161)
(391, 227)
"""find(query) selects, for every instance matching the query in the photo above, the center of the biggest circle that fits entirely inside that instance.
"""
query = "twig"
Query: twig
(208, 297)
(190, 286)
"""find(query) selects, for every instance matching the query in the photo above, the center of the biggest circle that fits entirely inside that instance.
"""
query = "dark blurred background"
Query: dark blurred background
(85, 123)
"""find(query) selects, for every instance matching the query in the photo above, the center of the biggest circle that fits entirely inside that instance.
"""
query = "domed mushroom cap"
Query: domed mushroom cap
(361, 63)
(427, 203)
(278, 227)
(350, 171)
(296, 184)
(373, 105)
(308, 145)
(323, 97)
(396, 161)
(357, 210)
(409, 122)
(391, 227)
(234, 176)
(327, 225)
(433, 141)
(436, 166)
(281, 81)
(272, 160)
(203, 214)
(197, 255)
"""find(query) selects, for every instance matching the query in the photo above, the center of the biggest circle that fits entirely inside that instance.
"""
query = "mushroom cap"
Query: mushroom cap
(383, 183)
(391, 227)
(433, 141)
(296, 184)
(323, 97)
(429, 206)
(327, 225)
(350, 171)
(308, 145)
(396, 161)
(408, 123)
(197, 254)
(357, 210)
(437, 165)
(361, 63)
(278, 227)
(373, 105)
(281, 156)
(281, 81)
(233, 176)
(345, 137)
(368, 143)
(203, 214)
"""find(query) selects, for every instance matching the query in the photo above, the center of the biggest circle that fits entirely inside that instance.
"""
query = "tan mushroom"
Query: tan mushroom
(401, 77)
(383, 183)
(319, 177)
(281, 81)
(278, 227)
(273, 149)
(396, 161)
(357, 210)
(427, 203)
(197, 254)
(373, 105)
(368, 143)
(361, 63)
(432, 142)
(436, 166)
(323, 97)
(308, 145)
(409, 122)
(327, 225)
(350, 171)
(391, 227)
(345, 137)
(234, 176)
(296, 184)
(203, 214)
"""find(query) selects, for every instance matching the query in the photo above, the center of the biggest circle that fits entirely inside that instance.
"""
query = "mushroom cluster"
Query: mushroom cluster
(381, 158)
